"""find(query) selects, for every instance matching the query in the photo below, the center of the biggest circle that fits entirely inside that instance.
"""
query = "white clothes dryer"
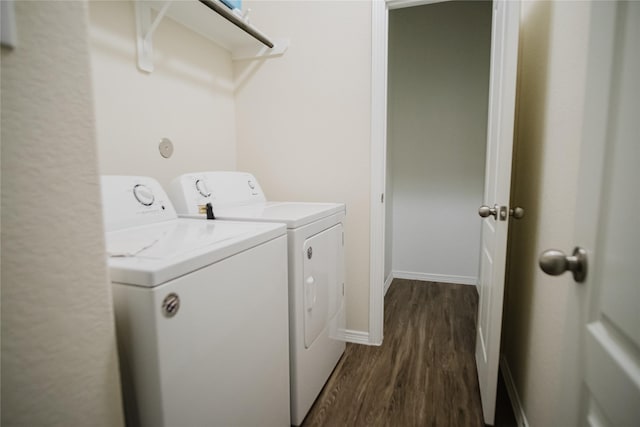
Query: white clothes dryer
(200, 310)
(316, 268)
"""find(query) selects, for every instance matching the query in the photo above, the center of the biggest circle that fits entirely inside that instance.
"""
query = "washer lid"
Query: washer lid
(151, 255)
(294, 214)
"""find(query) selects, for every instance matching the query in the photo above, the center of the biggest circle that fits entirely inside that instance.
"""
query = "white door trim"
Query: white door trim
(379, 37)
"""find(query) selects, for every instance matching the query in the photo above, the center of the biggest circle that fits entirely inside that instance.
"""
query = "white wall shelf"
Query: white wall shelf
(209, 18)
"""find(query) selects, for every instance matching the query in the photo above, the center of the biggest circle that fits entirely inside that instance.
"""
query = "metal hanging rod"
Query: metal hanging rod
(226, 13)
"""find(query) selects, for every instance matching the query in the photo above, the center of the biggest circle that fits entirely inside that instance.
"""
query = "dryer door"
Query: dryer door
(323, 270)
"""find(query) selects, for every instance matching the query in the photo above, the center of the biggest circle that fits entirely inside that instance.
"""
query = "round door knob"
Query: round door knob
(516, 213)
(485, 211)
(555, 262)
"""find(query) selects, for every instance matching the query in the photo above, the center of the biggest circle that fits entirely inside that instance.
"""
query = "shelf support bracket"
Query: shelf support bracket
(145, 29)
(280, 46)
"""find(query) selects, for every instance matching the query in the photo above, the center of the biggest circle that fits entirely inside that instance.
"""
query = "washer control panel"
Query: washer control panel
(129, 201)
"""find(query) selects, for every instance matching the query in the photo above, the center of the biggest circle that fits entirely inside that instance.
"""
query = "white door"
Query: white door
(608, 223)
(504, 60)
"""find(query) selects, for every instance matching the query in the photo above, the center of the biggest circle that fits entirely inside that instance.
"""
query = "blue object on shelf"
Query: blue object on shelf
(233, 4)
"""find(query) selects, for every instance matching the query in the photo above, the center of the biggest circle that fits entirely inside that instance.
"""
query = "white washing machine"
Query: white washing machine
(201, 312)
(316, 268)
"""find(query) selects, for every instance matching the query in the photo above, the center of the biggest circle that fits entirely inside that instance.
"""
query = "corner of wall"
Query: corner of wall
(59, 359)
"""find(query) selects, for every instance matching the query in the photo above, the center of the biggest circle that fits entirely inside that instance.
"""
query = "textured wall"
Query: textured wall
(188, 98)
(303, 120)
(438, 96)
(59, 364)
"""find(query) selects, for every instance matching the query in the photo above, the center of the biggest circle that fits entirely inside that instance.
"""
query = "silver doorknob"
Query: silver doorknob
(485, 211)
(555, 262)
(516, 213)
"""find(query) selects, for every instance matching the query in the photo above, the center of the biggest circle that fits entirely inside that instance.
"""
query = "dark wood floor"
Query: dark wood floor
(424, 373)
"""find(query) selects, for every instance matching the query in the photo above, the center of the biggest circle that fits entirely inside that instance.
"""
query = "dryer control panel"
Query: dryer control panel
(191, 192)
(129, 201)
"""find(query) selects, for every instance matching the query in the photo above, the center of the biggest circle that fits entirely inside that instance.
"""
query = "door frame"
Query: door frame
(378, 161)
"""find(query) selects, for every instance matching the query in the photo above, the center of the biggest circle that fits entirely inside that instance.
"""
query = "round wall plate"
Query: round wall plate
(166, 148)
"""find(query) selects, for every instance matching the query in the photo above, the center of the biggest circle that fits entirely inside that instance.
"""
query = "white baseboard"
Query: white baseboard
(516, 404)
(442, 278)
(357, 337)
(387, 283)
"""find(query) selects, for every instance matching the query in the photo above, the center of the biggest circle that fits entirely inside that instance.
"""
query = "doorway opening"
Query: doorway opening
(437, 100)
(502, 55)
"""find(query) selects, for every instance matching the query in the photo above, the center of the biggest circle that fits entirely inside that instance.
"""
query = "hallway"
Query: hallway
(424, 374)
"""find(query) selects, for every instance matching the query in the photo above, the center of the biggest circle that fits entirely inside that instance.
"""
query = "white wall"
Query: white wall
(303, 120)
(538, 337)
(188, 98)
(438, 94)
(59, 363)
(388, 211)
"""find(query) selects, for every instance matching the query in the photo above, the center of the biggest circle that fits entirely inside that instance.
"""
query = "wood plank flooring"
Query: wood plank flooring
(424, 374)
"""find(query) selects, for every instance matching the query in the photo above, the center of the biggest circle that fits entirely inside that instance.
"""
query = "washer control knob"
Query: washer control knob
(202, 188)
(143, 194)
(252, 185)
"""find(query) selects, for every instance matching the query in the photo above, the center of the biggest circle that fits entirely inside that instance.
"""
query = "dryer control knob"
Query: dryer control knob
(202, 188)
(143, 194)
